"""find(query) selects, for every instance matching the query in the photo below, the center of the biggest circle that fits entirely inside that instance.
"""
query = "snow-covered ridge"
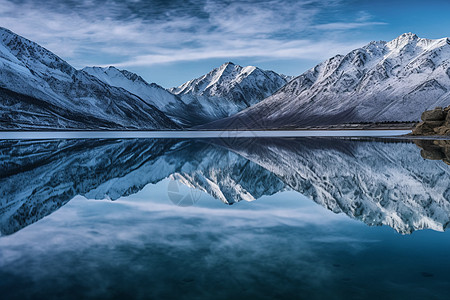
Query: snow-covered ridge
(220, 93)
(380, 82)
(108, 98)
(39, 90)
(152, 93)
(21, 51)
(229, 89)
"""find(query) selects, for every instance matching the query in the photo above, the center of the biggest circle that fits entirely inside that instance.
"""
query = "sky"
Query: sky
(171, 42)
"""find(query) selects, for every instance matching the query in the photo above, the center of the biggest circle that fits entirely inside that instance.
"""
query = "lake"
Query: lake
(331, 216)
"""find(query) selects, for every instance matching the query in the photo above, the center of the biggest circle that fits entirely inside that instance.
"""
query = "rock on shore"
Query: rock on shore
(434, 122)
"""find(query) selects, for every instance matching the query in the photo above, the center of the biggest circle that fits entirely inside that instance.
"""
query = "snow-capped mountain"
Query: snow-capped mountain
(229, 89)
(40, 90)
(152, 93)
(382, 81)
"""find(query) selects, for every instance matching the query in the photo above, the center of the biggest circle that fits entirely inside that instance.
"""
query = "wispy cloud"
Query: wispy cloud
(143, 33)
(272, 48)
(346, 26)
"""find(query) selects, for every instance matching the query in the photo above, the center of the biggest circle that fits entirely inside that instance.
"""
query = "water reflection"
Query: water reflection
(144, 249)
(377, 182)
(435, 149)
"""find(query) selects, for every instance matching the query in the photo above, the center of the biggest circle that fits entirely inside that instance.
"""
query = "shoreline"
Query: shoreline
(16, 135)
(340, 127)
(216, 130)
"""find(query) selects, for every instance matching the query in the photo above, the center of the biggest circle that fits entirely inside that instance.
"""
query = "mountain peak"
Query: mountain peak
(30, 54)
(228, 66)
(403, 40)
(408, 35)
(229, 88)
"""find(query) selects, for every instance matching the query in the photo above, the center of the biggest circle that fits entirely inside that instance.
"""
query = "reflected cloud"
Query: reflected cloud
(169, 245)
(95, 248)
(275, 244)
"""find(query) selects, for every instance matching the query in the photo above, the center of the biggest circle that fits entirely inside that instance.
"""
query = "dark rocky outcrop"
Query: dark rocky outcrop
(434, 122)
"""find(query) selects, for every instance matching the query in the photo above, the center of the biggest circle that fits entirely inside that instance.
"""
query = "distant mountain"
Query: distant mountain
(382, 81)
(218, 94)
(229, 89)
(151, 93)
(39, 90)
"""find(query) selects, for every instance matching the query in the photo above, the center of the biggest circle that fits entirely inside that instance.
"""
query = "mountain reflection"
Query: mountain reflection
(377, 182)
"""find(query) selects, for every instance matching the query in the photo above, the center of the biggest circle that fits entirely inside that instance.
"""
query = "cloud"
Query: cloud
(144, 33)
(346, 26)
(275, 49)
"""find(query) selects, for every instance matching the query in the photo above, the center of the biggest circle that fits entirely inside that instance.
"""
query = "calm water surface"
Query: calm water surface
(224, 218)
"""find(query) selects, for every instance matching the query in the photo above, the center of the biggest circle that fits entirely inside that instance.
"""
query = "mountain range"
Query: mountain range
(39, 90)
(380, 82)
(220, 93)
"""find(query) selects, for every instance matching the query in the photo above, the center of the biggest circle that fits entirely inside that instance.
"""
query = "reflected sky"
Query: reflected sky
(281, 245)
(271, 218)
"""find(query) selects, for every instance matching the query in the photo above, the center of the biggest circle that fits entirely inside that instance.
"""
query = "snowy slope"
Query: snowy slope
(40, 90)
(220, 93)
(152, 93)
(229, 89)
(382, 81)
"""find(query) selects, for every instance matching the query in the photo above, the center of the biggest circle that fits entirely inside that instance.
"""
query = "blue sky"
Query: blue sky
(170, 42)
